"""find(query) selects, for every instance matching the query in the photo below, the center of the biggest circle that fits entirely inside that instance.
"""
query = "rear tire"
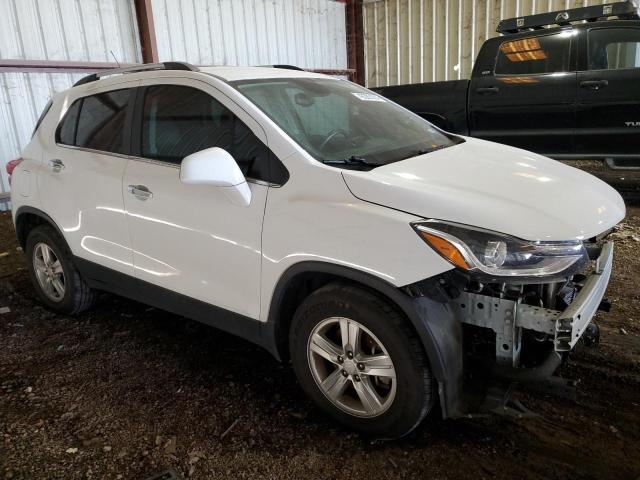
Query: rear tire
(382, 386)
(53, 273)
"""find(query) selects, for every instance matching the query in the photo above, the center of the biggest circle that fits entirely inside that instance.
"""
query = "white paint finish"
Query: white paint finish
(22, 98)
(85, 197)
(307, 33)
(405, 39)
(212, 166)
(217, 168)
(498, 188)
(314, 217)
(206, 241)
(193, 240)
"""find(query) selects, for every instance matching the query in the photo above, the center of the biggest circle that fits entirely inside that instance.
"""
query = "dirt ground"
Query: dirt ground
(126, 391)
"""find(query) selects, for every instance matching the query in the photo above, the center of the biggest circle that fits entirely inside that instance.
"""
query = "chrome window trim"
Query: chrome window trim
(152, 161)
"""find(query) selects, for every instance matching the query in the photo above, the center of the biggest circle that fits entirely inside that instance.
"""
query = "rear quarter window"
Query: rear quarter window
(66, 133)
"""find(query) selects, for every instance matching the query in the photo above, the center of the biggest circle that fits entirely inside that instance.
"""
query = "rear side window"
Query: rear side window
(96, 122)
(101, 123)
(534, 55)
(178, 121)
(614, 48)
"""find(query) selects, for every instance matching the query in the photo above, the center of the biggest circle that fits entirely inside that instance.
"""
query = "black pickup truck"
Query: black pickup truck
(550, 85)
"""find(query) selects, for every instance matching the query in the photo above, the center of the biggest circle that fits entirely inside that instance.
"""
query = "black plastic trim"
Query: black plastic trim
(106, 279)
(626, 9)
(39, 213)
(437, 328)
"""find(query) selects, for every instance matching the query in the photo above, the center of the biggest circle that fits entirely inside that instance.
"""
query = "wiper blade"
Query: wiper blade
(353, 160)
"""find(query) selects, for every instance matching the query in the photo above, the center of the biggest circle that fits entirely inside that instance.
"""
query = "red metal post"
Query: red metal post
(355, 40)
(147, 31)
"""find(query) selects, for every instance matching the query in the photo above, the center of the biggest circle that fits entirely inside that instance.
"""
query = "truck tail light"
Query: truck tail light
(11, 165)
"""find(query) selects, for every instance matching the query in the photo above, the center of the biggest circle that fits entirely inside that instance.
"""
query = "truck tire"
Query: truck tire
(53, 273)
(356, 357)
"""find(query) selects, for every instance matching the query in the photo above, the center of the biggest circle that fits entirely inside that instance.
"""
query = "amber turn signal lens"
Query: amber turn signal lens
(446, 249)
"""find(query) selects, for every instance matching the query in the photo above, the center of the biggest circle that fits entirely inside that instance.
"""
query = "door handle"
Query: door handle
(56, 165)
(140, 192)
(487, 90)
(594, 84)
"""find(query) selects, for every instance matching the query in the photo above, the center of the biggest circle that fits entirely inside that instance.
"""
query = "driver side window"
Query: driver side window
(178, 121)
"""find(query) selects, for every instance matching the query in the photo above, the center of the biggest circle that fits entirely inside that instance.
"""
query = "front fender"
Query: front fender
(435, 324)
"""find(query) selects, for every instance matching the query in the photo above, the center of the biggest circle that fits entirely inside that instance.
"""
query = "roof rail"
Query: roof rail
(286, 67)
(622, 10)
(137, 68)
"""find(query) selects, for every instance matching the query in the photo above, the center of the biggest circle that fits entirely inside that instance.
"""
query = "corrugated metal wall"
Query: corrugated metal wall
(306, 33)
(412, 41)
(75, 30)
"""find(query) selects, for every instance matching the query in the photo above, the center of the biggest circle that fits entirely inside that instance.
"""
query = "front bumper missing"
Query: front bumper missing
(507, 318)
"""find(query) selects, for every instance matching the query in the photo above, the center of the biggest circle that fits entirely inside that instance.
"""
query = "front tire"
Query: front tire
(53, 273)
(356, 357)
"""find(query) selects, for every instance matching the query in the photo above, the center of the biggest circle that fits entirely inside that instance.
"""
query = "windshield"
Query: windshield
(338, 122)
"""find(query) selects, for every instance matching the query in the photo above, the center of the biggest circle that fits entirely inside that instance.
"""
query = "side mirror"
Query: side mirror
(216, 167)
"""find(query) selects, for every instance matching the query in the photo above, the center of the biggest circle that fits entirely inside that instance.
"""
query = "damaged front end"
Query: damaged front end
(519, 326)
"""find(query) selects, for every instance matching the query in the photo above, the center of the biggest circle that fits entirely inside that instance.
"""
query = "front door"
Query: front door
(529, 100)
(609, 94)
(192, 239)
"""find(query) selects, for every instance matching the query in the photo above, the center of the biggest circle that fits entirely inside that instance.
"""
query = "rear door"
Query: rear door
(609, 94)
(527, 98)
(81, 185)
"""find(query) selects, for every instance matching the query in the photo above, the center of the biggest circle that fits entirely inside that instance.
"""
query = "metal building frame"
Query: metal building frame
(149, 47)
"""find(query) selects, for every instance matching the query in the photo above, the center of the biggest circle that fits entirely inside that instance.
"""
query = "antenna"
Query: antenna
(114, 57)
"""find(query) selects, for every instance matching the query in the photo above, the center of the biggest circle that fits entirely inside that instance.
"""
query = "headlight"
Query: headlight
(497, 254)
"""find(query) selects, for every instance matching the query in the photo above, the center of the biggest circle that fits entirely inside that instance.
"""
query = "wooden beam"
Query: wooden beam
(355, 39)
(147, 31)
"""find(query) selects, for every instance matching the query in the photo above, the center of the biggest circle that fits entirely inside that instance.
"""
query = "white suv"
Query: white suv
(388, 260)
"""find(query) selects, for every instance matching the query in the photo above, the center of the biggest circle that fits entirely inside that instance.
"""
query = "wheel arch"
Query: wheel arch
(27, 218)
(440, 338)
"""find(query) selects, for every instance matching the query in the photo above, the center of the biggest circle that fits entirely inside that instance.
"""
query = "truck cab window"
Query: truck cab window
(614, 48)
(534, 55)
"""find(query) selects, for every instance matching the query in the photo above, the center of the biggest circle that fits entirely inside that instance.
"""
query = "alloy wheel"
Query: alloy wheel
(351, 367)
(49, 272)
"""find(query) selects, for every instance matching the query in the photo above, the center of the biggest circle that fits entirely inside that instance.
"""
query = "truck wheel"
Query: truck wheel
(53, 274)
(356, 357)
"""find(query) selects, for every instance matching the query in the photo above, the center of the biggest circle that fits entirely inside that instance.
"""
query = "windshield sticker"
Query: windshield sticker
(368, 97)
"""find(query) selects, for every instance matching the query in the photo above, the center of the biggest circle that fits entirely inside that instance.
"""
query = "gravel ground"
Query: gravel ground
(126, 391)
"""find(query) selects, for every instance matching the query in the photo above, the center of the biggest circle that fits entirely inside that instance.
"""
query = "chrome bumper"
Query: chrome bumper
(507, 318)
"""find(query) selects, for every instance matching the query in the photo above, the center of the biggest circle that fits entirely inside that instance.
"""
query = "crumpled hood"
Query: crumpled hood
(495, 187)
